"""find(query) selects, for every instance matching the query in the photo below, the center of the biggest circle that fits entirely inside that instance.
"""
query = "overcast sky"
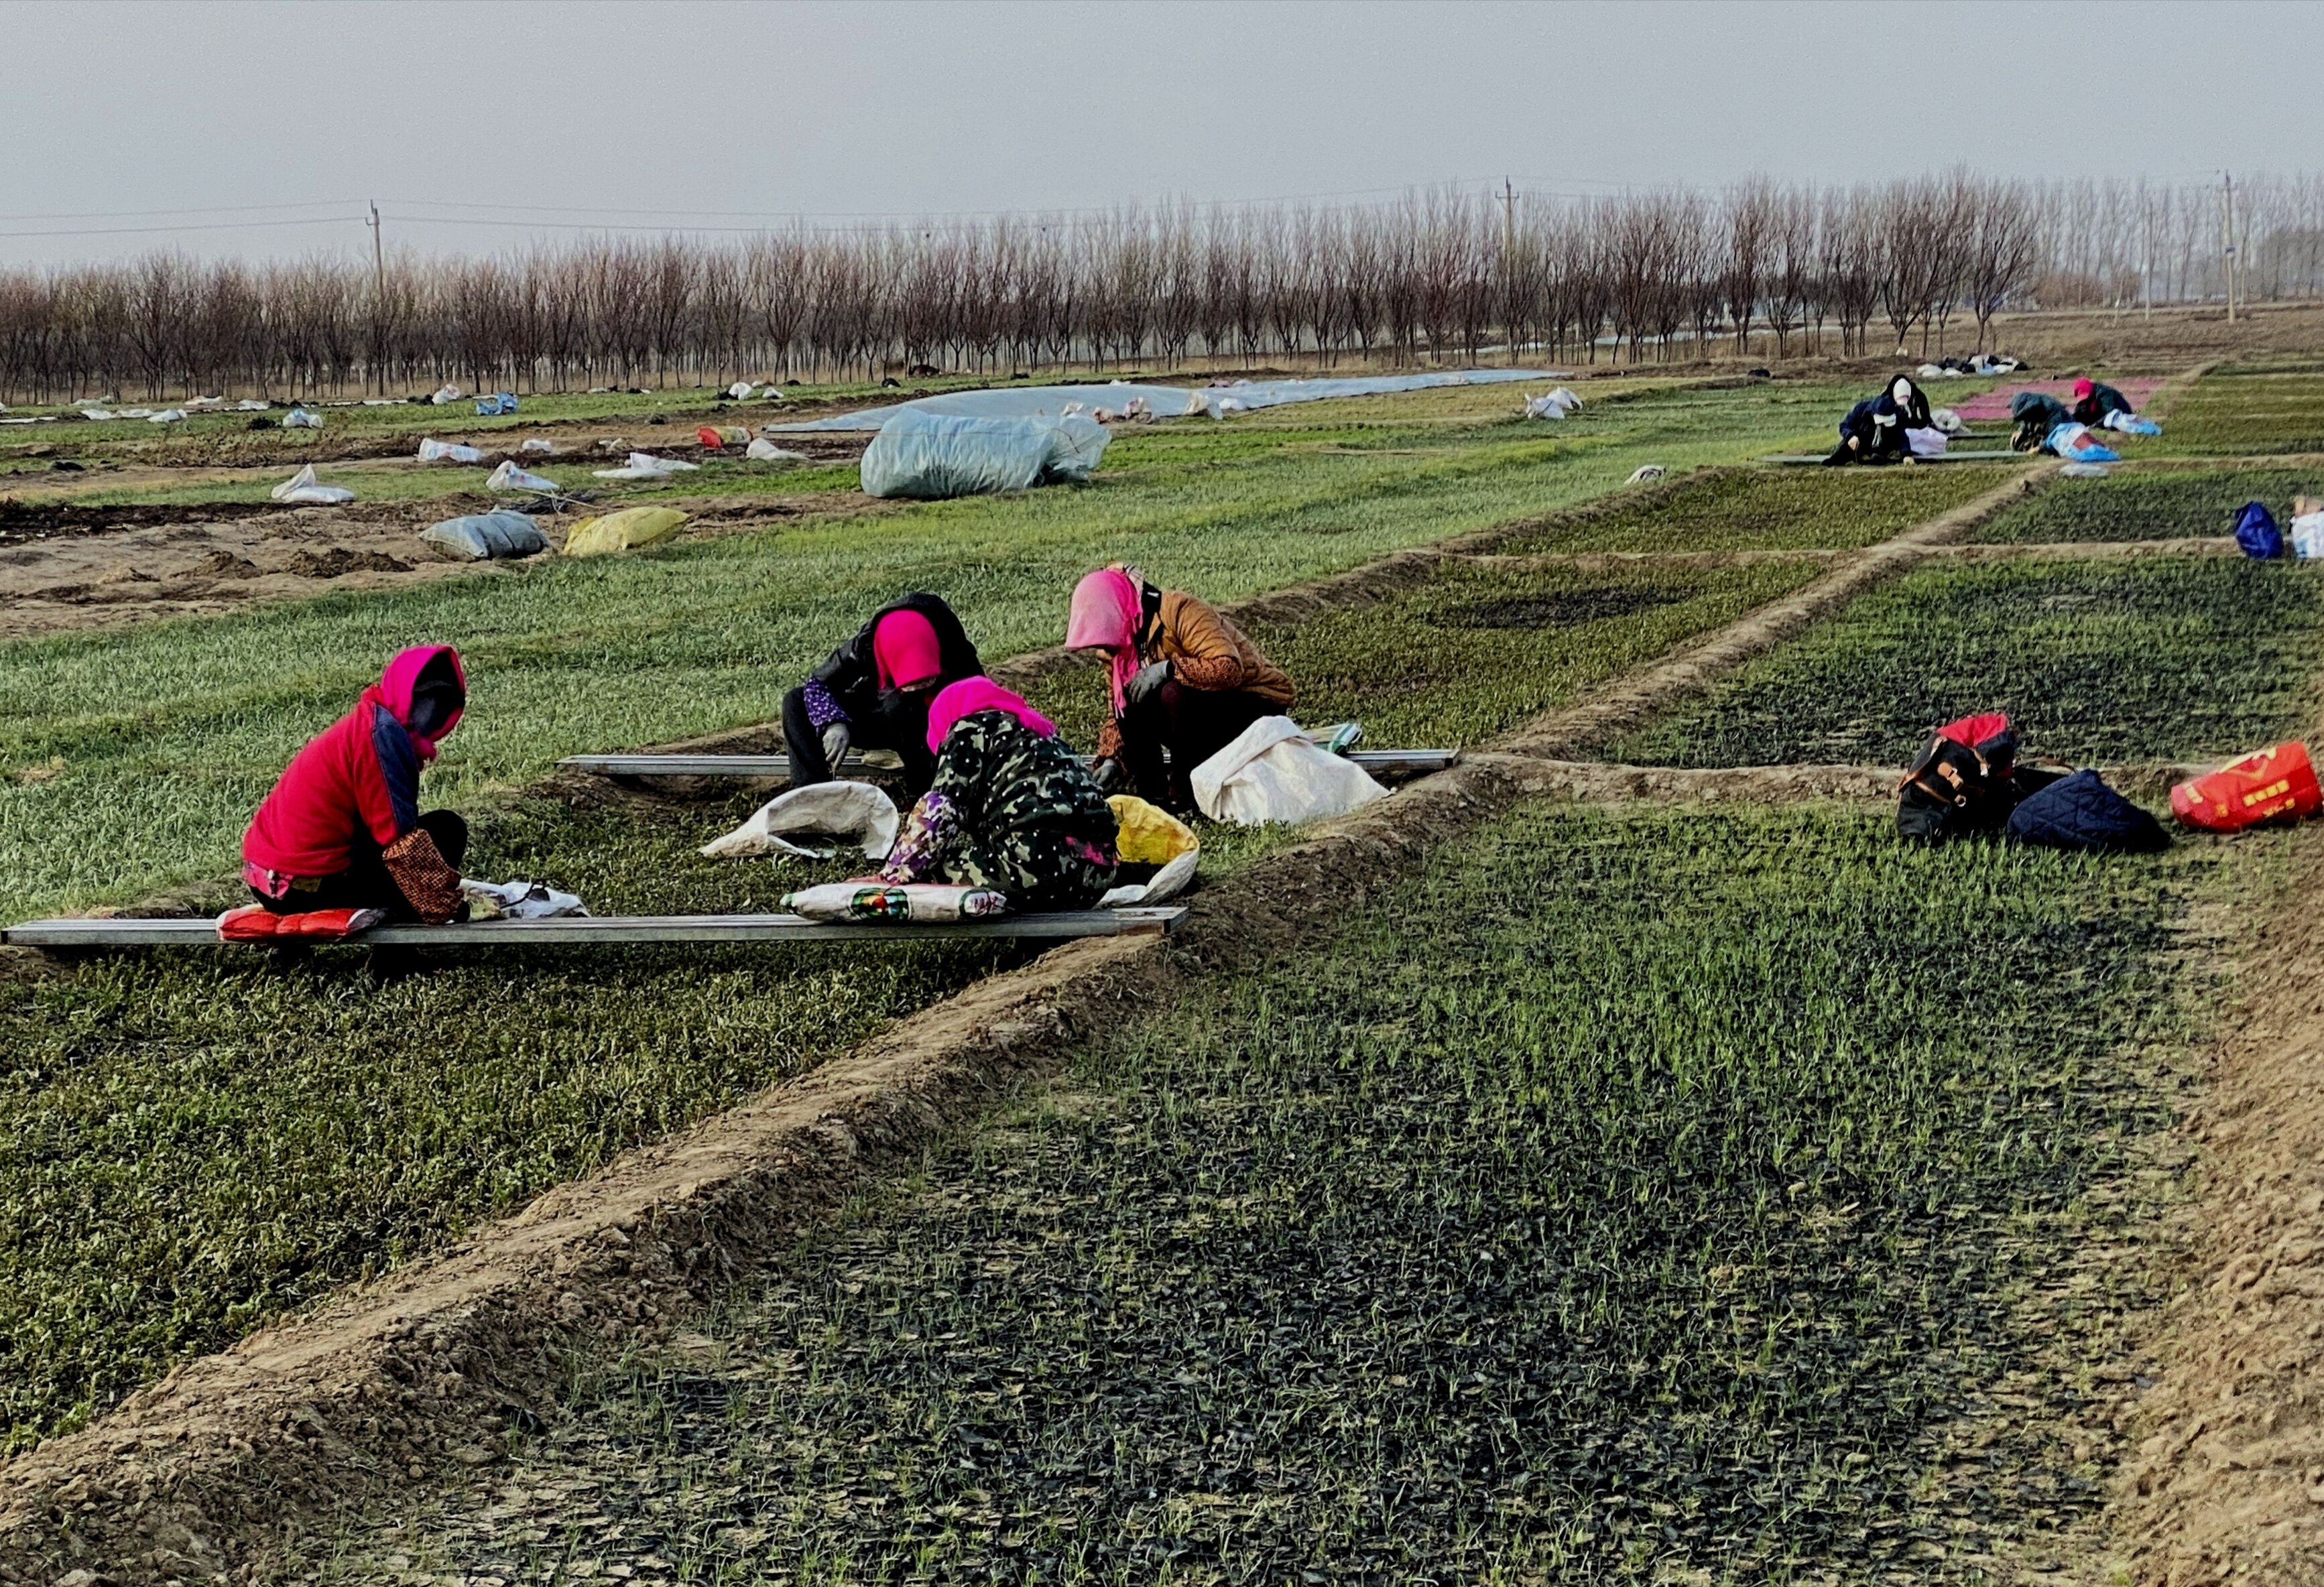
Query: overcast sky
(664, 115)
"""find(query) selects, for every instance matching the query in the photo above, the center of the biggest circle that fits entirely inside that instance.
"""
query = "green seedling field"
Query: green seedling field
(129, 761)
(2096, 663)
(192, 1140)
(2159, 506)
(2234, 413)
(1634, 1198)
(1770, 509)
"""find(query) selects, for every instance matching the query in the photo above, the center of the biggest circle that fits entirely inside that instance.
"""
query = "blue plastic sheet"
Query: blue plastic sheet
(932, 457)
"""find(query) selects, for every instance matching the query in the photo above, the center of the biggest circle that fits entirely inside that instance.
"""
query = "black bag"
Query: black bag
(2079, 813)
(1954, 790)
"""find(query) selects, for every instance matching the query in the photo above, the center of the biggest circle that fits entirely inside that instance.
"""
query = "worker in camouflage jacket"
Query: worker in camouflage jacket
(1010, 807)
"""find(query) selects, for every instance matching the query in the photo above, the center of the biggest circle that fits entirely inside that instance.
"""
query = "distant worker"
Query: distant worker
(1183, 681)
(1011, 806)
(1874, 429)
(343, 829)
(2094, 401)
(873, 692)
(2034, 414)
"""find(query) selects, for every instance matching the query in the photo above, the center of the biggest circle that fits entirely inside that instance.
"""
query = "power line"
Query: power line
(148, 214)
(220, 226)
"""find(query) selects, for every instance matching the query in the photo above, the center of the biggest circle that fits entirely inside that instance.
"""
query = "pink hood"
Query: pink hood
(972, 695)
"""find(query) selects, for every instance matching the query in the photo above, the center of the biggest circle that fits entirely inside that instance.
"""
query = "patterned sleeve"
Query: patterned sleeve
(927, 835)
(822, 710)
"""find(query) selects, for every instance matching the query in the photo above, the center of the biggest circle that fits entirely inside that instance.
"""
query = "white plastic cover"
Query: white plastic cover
(1926, 443)
(932, 457)
(765, 451)
(646, 465)
(302, 490)
(300, 419)
(435, 451)
(856, 811)
(1273, 771)
(2308, 536)
(508, 476)
(1163, 401)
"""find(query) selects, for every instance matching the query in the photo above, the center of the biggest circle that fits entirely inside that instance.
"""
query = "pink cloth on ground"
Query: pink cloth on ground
(1995, 403)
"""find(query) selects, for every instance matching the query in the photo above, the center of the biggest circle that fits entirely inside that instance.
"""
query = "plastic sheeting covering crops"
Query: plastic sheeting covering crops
(1114, 398)
(936, 456)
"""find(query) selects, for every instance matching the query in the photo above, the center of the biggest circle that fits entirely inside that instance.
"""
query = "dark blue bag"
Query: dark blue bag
(2256, 533)
(2082, 814)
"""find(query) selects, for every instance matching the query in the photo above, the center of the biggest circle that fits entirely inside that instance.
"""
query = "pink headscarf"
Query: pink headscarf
(905, 651)
(393, 692)
(1106, 609)
(972, 695)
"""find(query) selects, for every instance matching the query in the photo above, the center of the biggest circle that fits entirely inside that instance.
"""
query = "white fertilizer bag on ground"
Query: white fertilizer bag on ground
(1275, 772)
(822, 817)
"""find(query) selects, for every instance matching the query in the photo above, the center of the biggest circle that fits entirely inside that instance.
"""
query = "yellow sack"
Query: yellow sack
(1149, 834)
(625, 531)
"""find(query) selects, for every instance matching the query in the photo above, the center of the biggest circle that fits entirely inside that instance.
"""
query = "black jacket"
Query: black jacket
(1912, 413)
(852, 676)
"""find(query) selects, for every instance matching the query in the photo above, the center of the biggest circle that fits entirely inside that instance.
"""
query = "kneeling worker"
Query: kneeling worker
(2094, 401)
(1011, 806)
(873, 692)
(1184, 682)
(343, 829)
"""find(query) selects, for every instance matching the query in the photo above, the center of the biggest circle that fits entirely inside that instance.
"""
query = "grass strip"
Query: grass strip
(1770, 509)
(1696, 1214)
(2161, 506)
(2097, 662)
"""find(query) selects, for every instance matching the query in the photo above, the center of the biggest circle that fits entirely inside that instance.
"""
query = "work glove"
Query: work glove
(1110, 775)
(1146, 682)
(835, 739)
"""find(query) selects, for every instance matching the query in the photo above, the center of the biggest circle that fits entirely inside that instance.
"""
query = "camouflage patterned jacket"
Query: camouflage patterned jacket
(1013, 810)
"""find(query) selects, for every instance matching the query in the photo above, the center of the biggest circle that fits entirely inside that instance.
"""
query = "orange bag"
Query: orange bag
(2278, 783)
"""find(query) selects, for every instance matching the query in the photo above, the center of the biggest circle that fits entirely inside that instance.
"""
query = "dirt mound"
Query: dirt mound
(331, 561)
(26, 521)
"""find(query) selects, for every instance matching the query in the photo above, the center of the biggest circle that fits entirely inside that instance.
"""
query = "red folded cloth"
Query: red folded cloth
(256, 923)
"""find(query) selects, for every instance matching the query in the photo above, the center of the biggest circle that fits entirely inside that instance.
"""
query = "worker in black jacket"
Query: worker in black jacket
(873, 692)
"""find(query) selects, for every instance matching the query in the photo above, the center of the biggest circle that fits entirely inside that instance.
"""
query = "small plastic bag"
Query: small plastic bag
(435, 451)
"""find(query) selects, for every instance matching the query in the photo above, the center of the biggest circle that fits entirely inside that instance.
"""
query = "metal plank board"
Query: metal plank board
(1376, 761)
(635, 929)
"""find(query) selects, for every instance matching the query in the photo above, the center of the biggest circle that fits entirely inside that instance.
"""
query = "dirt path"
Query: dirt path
(149, 563)
(2227, 1482)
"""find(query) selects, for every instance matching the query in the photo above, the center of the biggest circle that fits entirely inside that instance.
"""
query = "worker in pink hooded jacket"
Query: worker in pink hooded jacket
(343, 829)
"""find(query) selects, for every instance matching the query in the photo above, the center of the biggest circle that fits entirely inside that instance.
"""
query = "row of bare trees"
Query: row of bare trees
(1436, 277)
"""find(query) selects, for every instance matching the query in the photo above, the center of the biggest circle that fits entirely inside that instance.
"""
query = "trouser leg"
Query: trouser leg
(803, 743)
(1193, 724)
(901, 723)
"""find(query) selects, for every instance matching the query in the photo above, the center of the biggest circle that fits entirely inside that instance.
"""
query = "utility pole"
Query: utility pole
(2228, 237)
(1509, 256)
(378, 298)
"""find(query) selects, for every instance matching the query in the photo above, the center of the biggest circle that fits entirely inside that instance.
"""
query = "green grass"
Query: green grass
(1478, 651)
(2096, 662)
(169, 733)
(2231, 413)
(2160, 506)
(1769, 509)
(1653, 1215)
(213, 434)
